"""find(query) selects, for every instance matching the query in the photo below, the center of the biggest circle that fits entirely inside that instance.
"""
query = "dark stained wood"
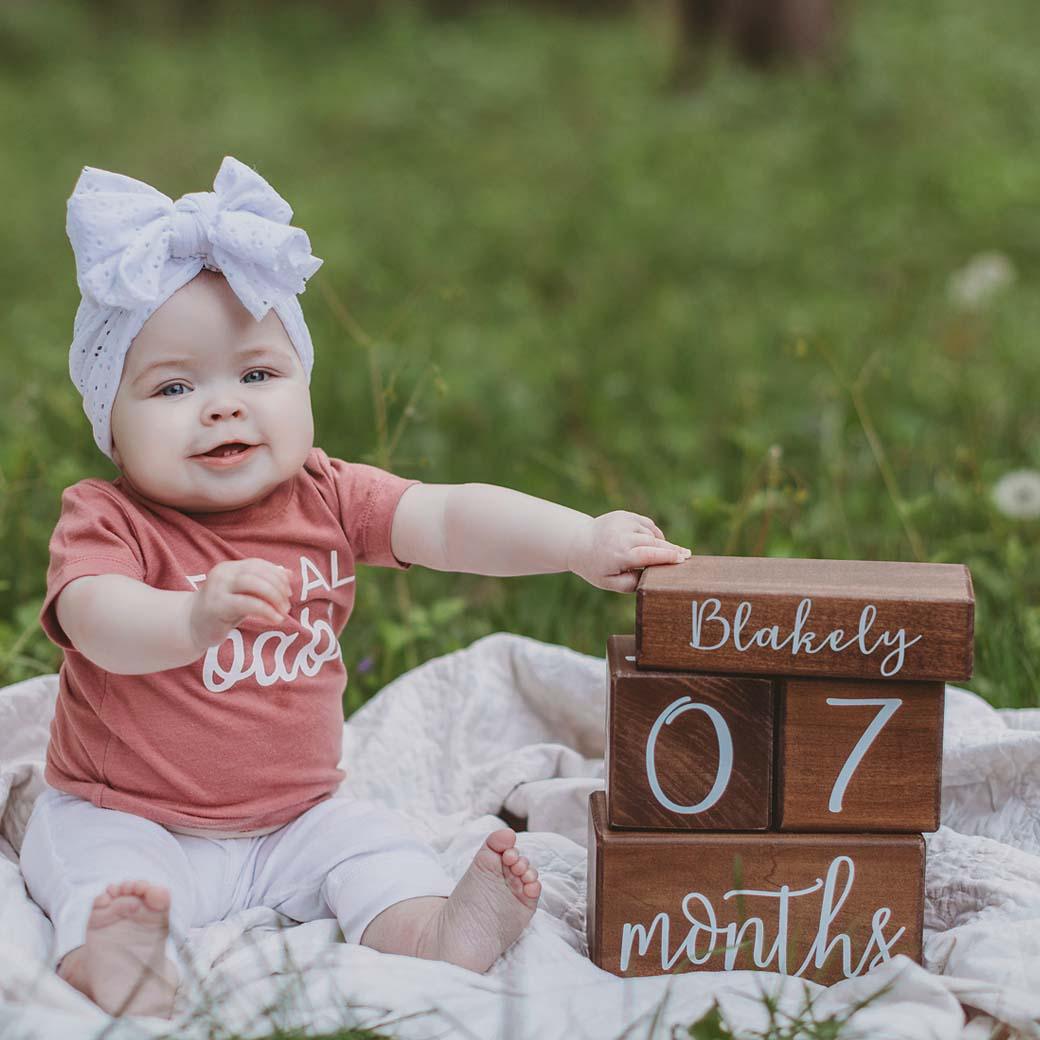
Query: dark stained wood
(864, 904)
(719, 753)
(891, 785)
(889, 621)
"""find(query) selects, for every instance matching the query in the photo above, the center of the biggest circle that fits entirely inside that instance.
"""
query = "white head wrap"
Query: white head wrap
(135, 247)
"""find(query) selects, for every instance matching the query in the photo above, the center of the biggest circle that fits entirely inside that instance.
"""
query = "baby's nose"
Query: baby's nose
(229, 410)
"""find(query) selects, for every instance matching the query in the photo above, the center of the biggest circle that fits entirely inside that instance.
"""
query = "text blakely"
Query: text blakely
(799, 640)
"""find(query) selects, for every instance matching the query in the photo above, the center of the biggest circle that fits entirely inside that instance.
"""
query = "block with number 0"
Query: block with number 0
(687, 752)
(859, 756)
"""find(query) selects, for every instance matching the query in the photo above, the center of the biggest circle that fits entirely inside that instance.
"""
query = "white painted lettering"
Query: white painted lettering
(725, 741)
(834, 891)
(800, 639)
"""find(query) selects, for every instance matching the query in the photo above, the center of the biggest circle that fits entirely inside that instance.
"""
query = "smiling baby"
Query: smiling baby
(194, 761)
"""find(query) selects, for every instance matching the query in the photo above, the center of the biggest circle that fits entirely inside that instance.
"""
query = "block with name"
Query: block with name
(859, 756)
(684, 751)
(834, 618)
(814, 906)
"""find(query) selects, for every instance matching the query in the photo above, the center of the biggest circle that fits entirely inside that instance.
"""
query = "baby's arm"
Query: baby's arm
(486, 529)
(483, 529)
(130, 628)
(126, 626)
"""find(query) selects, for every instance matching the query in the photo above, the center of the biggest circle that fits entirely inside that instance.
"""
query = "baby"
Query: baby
(193, 765)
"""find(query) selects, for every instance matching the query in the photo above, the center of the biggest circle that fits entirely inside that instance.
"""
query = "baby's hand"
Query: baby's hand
(235, 590)
(611, 550)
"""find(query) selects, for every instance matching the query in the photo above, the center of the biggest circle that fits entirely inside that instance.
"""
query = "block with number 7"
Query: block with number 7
(859, 756)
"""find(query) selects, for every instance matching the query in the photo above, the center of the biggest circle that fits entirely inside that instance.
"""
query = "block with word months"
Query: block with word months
(822, 907)
(837, 618)
(859, 756)
(684, 751)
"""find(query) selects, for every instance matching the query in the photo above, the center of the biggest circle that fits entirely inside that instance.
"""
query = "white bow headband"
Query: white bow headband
(135, 247)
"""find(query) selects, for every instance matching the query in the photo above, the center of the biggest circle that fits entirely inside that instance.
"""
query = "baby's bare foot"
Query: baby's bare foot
(489, 908)
(125, 950)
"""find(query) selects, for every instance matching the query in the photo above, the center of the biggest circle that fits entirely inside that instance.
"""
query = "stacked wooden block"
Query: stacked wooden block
(774, 751)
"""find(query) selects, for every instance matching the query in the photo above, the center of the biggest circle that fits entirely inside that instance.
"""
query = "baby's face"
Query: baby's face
(223, 376)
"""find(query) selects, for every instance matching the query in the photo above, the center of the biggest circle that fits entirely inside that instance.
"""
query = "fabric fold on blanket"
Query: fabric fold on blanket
(512, 725)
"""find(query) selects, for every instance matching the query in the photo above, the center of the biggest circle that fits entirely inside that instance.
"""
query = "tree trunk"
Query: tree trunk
(762, 32)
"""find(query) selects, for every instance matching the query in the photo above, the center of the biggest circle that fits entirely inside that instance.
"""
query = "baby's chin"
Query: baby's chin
(210, 501)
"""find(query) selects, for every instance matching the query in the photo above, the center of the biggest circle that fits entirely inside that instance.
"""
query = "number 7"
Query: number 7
(889, 706)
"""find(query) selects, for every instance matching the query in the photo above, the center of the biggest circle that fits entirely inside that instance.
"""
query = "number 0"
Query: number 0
(725, 739)
(889, 706)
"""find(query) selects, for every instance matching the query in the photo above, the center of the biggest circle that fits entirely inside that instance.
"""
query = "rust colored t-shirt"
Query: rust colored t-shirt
(248, 736)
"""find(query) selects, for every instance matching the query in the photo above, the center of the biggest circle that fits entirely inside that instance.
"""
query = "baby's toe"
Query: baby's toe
(157, 898)
(520, 866)
(500, 840)
(510, 856)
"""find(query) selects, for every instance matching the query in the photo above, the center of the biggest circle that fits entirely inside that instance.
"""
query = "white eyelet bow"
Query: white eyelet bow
(123, 230)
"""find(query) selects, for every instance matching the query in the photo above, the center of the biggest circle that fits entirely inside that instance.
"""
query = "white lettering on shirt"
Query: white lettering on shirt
(308, 658)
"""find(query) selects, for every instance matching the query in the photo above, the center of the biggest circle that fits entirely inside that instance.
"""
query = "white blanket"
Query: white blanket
(514, 722)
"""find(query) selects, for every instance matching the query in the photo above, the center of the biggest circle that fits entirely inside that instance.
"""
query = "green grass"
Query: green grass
(724, 308)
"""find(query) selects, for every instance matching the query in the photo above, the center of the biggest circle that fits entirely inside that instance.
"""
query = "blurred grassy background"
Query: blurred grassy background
(726, 307)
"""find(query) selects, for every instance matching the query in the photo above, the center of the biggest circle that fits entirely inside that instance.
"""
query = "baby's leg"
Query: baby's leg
(105, 941)
(362, 863)
(123, 966)
(477, 923)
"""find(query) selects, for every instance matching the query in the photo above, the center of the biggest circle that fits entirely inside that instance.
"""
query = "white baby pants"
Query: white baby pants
(347, 859)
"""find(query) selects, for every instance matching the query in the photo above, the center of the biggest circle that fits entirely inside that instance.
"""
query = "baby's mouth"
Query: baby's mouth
(227, 449)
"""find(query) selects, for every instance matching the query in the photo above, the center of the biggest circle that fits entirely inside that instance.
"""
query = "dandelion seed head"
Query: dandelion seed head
(980, 280)
(1017, 495)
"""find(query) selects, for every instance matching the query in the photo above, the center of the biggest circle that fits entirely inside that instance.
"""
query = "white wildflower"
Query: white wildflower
(1017, 495)
(980, 279)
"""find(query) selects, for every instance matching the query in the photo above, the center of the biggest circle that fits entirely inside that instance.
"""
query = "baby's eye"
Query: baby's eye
(170, 386)
(257, 370)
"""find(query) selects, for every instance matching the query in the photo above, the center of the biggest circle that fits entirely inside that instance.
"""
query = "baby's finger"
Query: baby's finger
(275, 572)
(649, 555)
(251, 606)
(653, 527)
(279, 573)
(663, 543)
(264, 587)
(625, 582)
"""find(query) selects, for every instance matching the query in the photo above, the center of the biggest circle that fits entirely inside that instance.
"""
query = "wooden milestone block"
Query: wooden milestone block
(822, 907)
(690, 752)
(859, 756)
(838, 618)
